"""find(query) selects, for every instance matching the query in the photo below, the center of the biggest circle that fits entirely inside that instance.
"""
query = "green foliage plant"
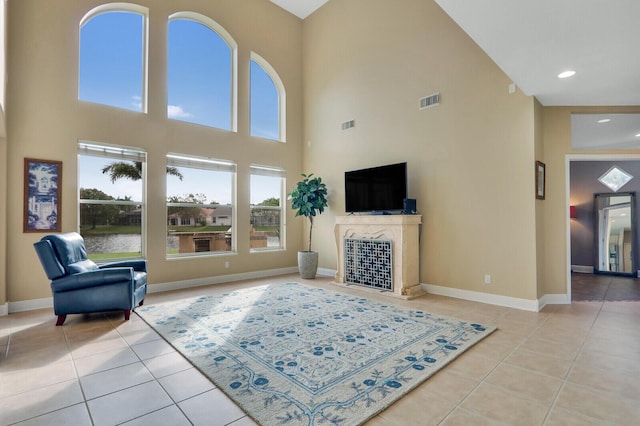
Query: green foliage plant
(309, 198)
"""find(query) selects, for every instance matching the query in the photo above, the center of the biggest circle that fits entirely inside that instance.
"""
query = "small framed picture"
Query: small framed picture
(42, 187)
(540, 180)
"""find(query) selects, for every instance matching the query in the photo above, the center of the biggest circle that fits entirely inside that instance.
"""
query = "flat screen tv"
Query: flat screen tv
(379, 189)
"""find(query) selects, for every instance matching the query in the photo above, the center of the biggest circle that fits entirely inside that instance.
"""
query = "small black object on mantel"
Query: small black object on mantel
(409, 206)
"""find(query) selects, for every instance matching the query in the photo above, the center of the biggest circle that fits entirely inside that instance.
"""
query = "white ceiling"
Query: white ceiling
(532, 41)
(300, 8)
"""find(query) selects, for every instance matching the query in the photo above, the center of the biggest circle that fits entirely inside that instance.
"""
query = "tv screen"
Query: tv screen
(377, 189)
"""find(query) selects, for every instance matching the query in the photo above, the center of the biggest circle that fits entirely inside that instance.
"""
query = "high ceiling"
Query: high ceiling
(533, 41)
(300, 8)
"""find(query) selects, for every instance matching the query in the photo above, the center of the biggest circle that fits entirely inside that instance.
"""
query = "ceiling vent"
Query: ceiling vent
(348, 124)
(430, 101)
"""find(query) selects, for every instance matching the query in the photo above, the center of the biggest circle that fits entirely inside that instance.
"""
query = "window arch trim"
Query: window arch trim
(233, 46)
(282, 98)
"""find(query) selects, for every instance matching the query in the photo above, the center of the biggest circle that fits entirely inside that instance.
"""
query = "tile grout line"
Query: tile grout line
(573, 361)
(502, 361)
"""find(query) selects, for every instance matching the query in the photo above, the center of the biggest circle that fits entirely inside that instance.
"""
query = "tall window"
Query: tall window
(111, 200)
(201, 72)
(113, 56)
(200, 205)
(268, 101)
(267, 204)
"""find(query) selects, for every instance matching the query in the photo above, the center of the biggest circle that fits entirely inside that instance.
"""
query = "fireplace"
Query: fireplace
(380, 252)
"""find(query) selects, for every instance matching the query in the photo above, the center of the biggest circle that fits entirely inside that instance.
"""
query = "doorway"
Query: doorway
(582, 253)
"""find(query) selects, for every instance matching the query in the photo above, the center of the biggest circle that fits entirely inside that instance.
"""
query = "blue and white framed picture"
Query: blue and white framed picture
(42, 186)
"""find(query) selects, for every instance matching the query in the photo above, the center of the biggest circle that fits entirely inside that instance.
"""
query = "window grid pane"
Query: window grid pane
(200, 207)
(111, 206)
(266, 208)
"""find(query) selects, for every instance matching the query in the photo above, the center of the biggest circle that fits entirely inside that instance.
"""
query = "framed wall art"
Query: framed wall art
(540, 180)
(42, 186)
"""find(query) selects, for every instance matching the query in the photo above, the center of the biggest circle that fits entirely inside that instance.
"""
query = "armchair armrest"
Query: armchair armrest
(94, 278)
(137, 265)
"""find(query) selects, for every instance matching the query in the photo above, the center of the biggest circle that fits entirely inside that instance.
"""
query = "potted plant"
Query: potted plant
(308, 198)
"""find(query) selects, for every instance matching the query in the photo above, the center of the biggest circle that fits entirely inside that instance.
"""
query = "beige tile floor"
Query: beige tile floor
(573, 364)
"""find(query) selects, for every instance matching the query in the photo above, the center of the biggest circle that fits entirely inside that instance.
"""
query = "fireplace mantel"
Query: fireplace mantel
(402, 230)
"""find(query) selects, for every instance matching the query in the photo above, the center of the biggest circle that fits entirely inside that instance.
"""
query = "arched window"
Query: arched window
(113, 56)
(268, 101)
(201, 69)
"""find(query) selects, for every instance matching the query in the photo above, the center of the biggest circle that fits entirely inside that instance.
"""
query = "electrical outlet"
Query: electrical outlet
(487, 279)
(226, 264)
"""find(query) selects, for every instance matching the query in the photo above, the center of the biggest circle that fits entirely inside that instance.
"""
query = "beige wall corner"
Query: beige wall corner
(470, 159)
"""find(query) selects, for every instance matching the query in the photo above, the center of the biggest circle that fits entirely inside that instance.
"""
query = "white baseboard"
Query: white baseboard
(4, 309)
(553, 299)
(323, 272)
(475, 296)
(582, 269)
(198, 282)
(31, 305)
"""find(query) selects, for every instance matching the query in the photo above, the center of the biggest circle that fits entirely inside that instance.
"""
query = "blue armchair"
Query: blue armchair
(80, 286)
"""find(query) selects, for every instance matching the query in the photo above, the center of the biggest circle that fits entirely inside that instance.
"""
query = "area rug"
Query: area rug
(290, 354)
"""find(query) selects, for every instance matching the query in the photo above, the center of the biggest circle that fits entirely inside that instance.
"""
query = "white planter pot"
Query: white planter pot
(308, 264)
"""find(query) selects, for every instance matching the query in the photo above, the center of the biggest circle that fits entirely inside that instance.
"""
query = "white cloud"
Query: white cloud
(136, 101)
(176, 111)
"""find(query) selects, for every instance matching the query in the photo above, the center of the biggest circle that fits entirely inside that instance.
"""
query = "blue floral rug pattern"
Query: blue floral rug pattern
(290, 354)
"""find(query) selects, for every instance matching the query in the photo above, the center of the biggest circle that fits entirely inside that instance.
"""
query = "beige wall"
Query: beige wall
(557, 145)
(470, 159)
(45, 120)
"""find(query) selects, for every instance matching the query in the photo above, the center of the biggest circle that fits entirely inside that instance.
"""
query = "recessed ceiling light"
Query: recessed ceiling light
(565, 74)
(604, 120)
(638, 135)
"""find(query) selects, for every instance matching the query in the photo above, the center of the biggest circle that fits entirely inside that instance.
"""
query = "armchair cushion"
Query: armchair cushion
(82, 266)
(68, 247)
(88, 279)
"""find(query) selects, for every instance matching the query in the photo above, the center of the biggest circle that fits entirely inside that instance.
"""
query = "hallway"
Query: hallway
(610, 288)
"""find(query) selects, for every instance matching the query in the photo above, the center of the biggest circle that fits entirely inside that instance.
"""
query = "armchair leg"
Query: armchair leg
(61, 319)
(141, 302)
(127, 314)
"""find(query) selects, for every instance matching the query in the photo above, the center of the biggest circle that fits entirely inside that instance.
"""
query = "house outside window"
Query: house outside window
(267, 207)
(111, 200)
(200, 205)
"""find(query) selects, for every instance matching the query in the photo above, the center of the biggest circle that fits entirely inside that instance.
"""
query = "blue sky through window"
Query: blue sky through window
(199, 89)
(111, 60)
(264, 104)
(199, 75)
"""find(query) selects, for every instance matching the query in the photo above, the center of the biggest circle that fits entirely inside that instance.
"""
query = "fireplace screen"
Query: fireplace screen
(368, 262)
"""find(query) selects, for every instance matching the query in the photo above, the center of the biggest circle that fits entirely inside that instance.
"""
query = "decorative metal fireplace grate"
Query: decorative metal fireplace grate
(368, 262)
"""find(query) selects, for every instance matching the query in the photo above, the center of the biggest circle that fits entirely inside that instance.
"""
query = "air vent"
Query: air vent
(348, 124)
(430, 101)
